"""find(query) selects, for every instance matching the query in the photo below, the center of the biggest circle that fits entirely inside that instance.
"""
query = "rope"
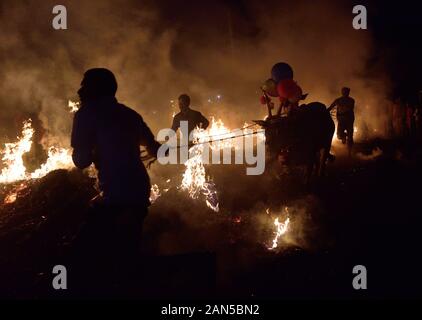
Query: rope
(212, 140)
(227, 138)
(223, 134)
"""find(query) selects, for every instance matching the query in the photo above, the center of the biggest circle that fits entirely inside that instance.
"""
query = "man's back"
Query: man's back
(345, 105)
(110, 134)
(194, 119)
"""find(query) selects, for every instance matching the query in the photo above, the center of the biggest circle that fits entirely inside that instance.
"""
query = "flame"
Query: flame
(14, 169)
(219, 137)
(281, 229)
(58, 158)
(155, 193)
(73, 106)
(194, 177)
(217, 131)
(11, 197)
(211, 196)
(195, 182)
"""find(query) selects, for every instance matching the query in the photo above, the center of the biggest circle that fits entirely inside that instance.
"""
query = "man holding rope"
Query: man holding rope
(109, 134)
(194, 118)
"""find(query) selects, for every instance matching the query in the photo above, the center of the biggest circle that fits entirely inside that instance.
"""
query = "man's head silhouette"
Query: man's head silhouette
(184, 102)
(97, 83)
(345, 91)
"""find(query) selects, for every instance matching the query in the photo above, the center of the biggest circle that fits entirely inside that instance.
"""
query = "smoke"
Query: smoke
(160, 49)
(42, 67)
(375, 153)
(246, 217)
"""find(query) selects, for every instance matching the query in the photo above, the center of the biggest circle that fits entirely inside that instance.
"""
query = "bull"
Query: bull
(303, 138)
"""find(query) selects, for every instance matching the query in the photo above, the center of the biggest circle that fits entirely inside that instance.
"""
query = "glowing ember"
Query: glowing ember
(155, 193)
(375, 153)
(13, 195)
(237, 219)
(173, 107)
(10, 198)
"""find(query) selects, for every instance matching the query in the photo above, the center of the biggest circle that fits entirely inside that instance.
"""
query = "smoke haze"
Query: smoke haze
(159, 49)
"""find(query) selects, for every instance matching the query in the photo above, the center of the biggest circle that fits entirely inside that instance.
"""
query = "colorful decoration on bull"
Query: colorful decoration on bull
(270, 88)
(281, 71)
(282, 85)
(290, 90)
(264, 99)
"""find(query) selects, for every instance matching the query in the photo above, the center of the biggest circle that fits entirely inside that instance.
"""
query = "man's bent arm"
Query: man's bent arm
(332, 105)
(205, 122)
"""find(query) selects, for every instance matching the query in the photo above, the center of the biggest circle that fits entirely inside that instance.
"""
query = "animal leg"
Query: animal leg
(324, 153)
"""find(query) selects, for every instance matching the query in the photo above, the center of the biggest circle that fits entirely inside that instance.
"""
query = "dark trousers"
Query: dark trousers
(107, 251)
(345, 128)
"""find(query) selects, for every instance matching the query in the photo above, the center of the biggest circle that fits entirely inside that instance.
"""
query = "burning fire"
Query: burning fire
(281, 229)
(73, 106)
(195, 180)
(155, 193)
(13, 195)
(219, 137)
(58, 158)
(14, 167)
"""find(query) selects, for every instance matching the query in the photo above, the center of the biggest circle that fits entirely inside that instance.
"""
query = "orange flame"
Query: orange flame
(14, 167)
